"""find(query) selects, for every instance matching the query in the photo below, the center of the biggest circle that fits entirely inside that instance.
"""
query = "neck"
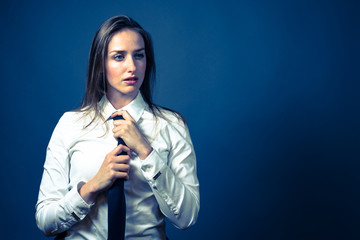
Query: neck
(120, 101)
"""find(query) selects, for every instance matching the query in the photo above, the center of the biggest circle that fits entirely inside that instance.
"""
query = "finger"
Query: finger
(117, 129)
(121, 175)
(121, 167)
(127, 116)
(117, 113)
(116, 150)
(122, 148)
(118, 122)
(122, 159)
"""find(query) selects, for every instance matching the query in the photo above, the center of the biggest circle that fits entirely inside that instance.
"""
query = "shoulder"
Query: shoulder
(66, 123)
(73, 121)
(170, 119)
(172, 116)
(70, 127)
(70, 118)
(78, 117)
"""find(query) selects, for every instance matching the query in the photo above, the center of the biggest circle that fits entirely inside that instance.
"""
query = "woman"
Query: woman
(83, 159)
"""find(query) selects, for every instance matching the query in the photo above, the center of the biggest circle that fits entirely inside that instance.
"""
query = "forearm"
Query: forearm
(88, 192)
(178, 201)
(177, 193)
(55, 215)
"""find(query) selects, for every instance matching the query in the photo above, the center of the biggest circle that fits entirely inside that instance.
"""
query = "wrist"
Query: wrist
(145, 152)
(88, 193)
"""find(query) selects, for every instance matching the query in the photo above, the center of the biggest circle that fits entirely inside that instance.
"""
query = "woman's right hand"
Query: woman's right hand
(114, 167)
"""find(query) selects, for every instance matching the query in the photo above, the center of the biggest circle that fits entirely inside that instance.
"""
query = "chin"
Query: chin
(132, 93)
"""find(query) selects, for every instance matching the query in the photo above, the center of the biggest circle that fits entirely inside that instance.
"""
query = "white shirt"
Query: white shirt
(164, 184)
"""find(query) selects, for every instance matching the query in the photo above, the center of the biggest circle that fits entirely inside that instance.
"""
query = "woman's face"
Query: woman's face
(125, 65)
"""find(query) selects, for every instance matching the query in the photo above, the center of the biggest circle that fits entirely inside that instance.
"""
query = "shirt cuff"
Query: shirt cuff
(76, 205)
(152, 166)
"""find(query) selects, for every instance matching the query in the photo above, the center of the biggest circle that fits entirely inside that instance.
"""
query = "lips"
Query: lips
(131, 80)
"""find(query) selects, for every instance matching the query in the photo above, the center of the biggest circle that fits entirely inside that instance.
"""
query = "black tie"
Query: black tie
(117, 205)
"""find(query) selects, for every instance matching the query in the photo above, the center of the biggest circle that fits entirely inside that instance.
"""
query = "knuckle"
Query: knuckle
(112, 174)
(110, 167)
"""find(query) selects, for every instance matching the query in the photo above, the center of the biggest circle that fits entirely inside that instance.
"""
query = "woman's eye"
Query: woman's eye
(118, 57)
(139, 56)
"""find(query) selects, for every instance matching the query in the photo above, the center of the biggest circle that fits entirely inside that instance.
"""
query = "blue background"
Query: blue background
(270, 90)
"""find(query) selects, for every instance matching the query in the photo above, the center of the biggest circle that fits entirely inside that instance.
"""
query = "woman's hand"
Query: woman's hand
(130, 133)
(114, 167)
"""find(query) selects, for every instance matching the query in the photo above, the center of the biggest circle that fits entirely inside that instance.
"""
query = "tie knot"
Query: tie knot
(118, 118)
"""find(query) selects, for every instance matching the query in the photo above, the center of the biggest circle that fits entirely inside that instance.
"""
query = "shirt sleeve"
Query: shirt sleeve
(174, 180)
(59, 205)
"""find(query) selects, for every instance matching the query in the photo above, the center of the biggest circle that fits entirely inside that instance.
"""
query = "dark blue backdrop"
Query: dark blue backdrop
(270, 90)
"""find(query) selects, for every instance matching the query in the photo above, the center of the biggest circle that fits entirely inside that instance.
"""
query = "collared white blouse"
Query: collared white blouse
(164, 184)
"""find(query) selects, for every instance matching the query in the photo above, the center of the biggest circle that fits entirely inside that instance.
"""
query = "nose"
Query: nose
(131, 64)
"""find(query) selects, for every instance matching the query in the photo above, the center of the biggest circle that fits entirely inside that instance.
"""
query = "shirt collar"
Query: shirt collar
(135, 108)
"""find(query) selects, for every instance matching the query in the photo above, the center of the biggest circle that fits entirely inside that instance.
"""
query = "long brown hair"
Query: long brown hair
(96, 85)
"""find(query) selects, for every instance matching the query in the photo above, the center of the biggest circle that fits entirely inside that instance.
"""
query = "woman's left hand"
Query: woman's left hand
(128, 131)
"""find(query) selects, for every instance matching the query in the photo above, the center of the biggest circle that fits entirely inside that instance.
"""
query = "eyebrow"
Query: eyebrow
(122, 51)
